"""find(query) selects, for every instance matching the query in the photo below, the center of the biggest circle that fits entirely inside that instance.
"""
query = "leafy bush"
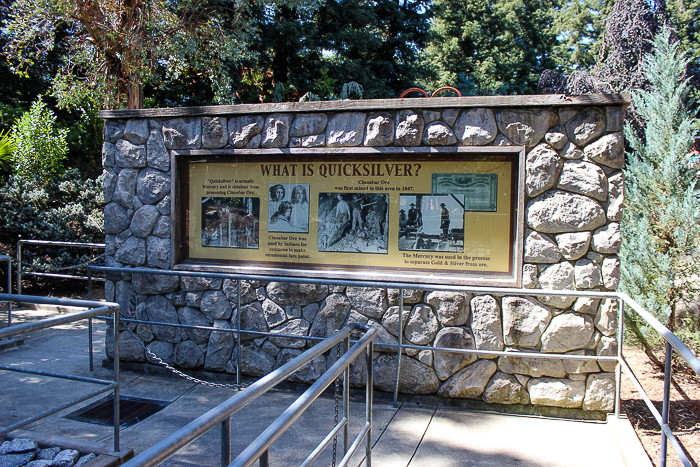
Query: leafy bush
(40, 147)
(7, 145)
(63, 208)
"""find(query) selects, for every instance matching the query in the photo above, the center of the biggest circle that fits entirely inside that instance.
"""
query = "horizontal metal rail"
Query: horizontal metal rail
(58, 408)
(425, 285)
(378, 345)
(60, 276)
(94, 309)
(50, 243)
(222, 413)
(673, 343)
(57, 243)
(50, 322)
(666, 333)
(51, 374)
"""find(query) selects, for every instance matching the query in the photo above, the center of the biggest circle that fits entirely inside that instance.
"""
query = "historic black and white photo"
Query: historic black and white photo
(288, 208)
(480, 190)
(431, 222)
(230, 222)
(353, 222)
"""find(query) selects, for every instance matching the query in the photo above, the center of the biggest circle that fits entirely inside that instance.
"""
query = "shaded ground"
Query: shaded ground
(685, 408)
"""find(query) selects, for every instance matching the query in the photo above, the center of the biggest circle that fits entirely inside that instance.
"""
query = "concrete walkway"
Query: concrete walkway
(417, 434)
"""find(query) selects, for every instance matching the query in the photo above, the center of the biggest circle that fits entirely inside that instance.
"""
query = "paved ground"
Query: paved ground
(417, 434)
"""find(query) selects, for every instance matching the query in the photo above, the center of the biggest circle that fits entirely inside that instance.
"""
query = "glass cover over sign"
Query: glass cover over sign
(442, 214)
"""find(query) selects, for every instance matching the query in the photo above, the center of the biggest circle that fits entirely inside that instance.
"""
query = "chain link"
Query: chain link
(160, 361)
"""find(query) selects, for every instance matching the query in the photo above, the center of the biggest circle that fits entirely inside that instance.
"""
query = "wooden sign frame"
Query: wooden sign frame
(346, 213)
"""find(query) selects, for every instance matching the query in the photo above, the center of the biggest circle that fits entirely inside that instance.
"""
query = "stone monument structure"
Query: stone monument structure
(565, 235)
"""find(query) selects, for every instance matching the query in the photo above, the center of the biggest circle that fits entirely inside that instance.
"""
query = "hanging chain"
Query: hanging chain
(335, 417)
(180, 373)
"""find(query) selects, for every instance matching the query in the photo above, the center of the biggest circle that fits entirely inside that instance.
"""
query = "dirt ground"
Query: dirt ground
(684, 410)
(685, 392)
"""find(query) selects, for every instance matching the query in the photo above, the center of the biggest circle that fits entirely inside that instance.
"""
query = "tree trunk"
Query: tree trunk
(134, 95)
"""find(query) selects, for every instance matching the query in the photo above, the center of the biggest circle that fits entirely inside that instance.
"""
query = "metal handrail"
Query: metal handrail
(95, 309)
(666, 333)
(221, 414)
(672, 342)
(43, 274)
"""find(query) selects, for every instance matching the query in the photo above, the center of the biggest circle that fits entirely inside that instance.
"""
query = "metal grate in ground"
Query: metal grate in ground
(131, 411)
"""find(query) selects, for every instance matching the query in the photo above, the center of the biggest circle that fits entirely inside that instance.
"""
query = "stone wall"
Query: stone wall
(574, 193)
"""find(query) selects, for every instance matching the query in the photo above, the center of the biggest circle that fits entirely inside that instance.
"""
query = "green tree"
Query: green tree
(374, 43)
(40, 147)
(661, 234)
(318, 47)
(579, 27)
(683, 16)
(492, 47)
(113, 47)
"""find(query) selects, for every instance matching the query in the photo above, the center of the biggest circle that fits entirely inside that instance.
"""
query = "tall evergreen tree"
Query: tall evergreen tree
(579, 27)
(684, 16)
(318, 47)
(374, 43)
(492, 47)
(661, 234)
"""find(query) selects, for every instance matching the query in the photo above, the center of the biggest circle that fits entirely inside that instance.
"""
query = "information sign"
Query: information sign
(437, 214)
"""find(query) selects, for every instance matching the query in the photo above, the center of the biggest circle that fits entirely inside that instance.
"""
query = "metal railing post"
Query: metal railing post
(19, 267)
(265, 459)
(398, 358)
(666, 404)
(9, 291)
(618, 368)
(116, 379)
(90, 355)
(226, 442)
(346, 401)
(238, 328)
(369, 394)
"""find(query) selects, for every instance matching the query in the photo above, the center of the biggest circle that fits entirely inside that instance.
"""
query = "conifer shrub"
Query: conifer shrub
(660, 256)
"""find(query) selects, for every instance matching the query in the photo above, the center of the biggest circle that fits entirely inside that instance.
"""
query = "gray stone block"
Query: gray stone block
(476, 127)
(152, 185)
(136, 131)
(158, 156)
(187, 354)
(214, 132)
(346, 129)
(182, 133)
(128, 155)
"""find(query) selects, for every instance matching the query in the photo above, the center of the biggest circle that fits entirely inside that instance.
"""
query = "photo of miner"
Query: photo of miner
(353, 222)
(431, 222)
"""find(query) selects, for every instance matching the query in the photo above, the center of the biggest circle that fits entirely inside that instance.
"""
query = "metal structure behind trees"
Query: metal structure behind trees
(672, 342)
